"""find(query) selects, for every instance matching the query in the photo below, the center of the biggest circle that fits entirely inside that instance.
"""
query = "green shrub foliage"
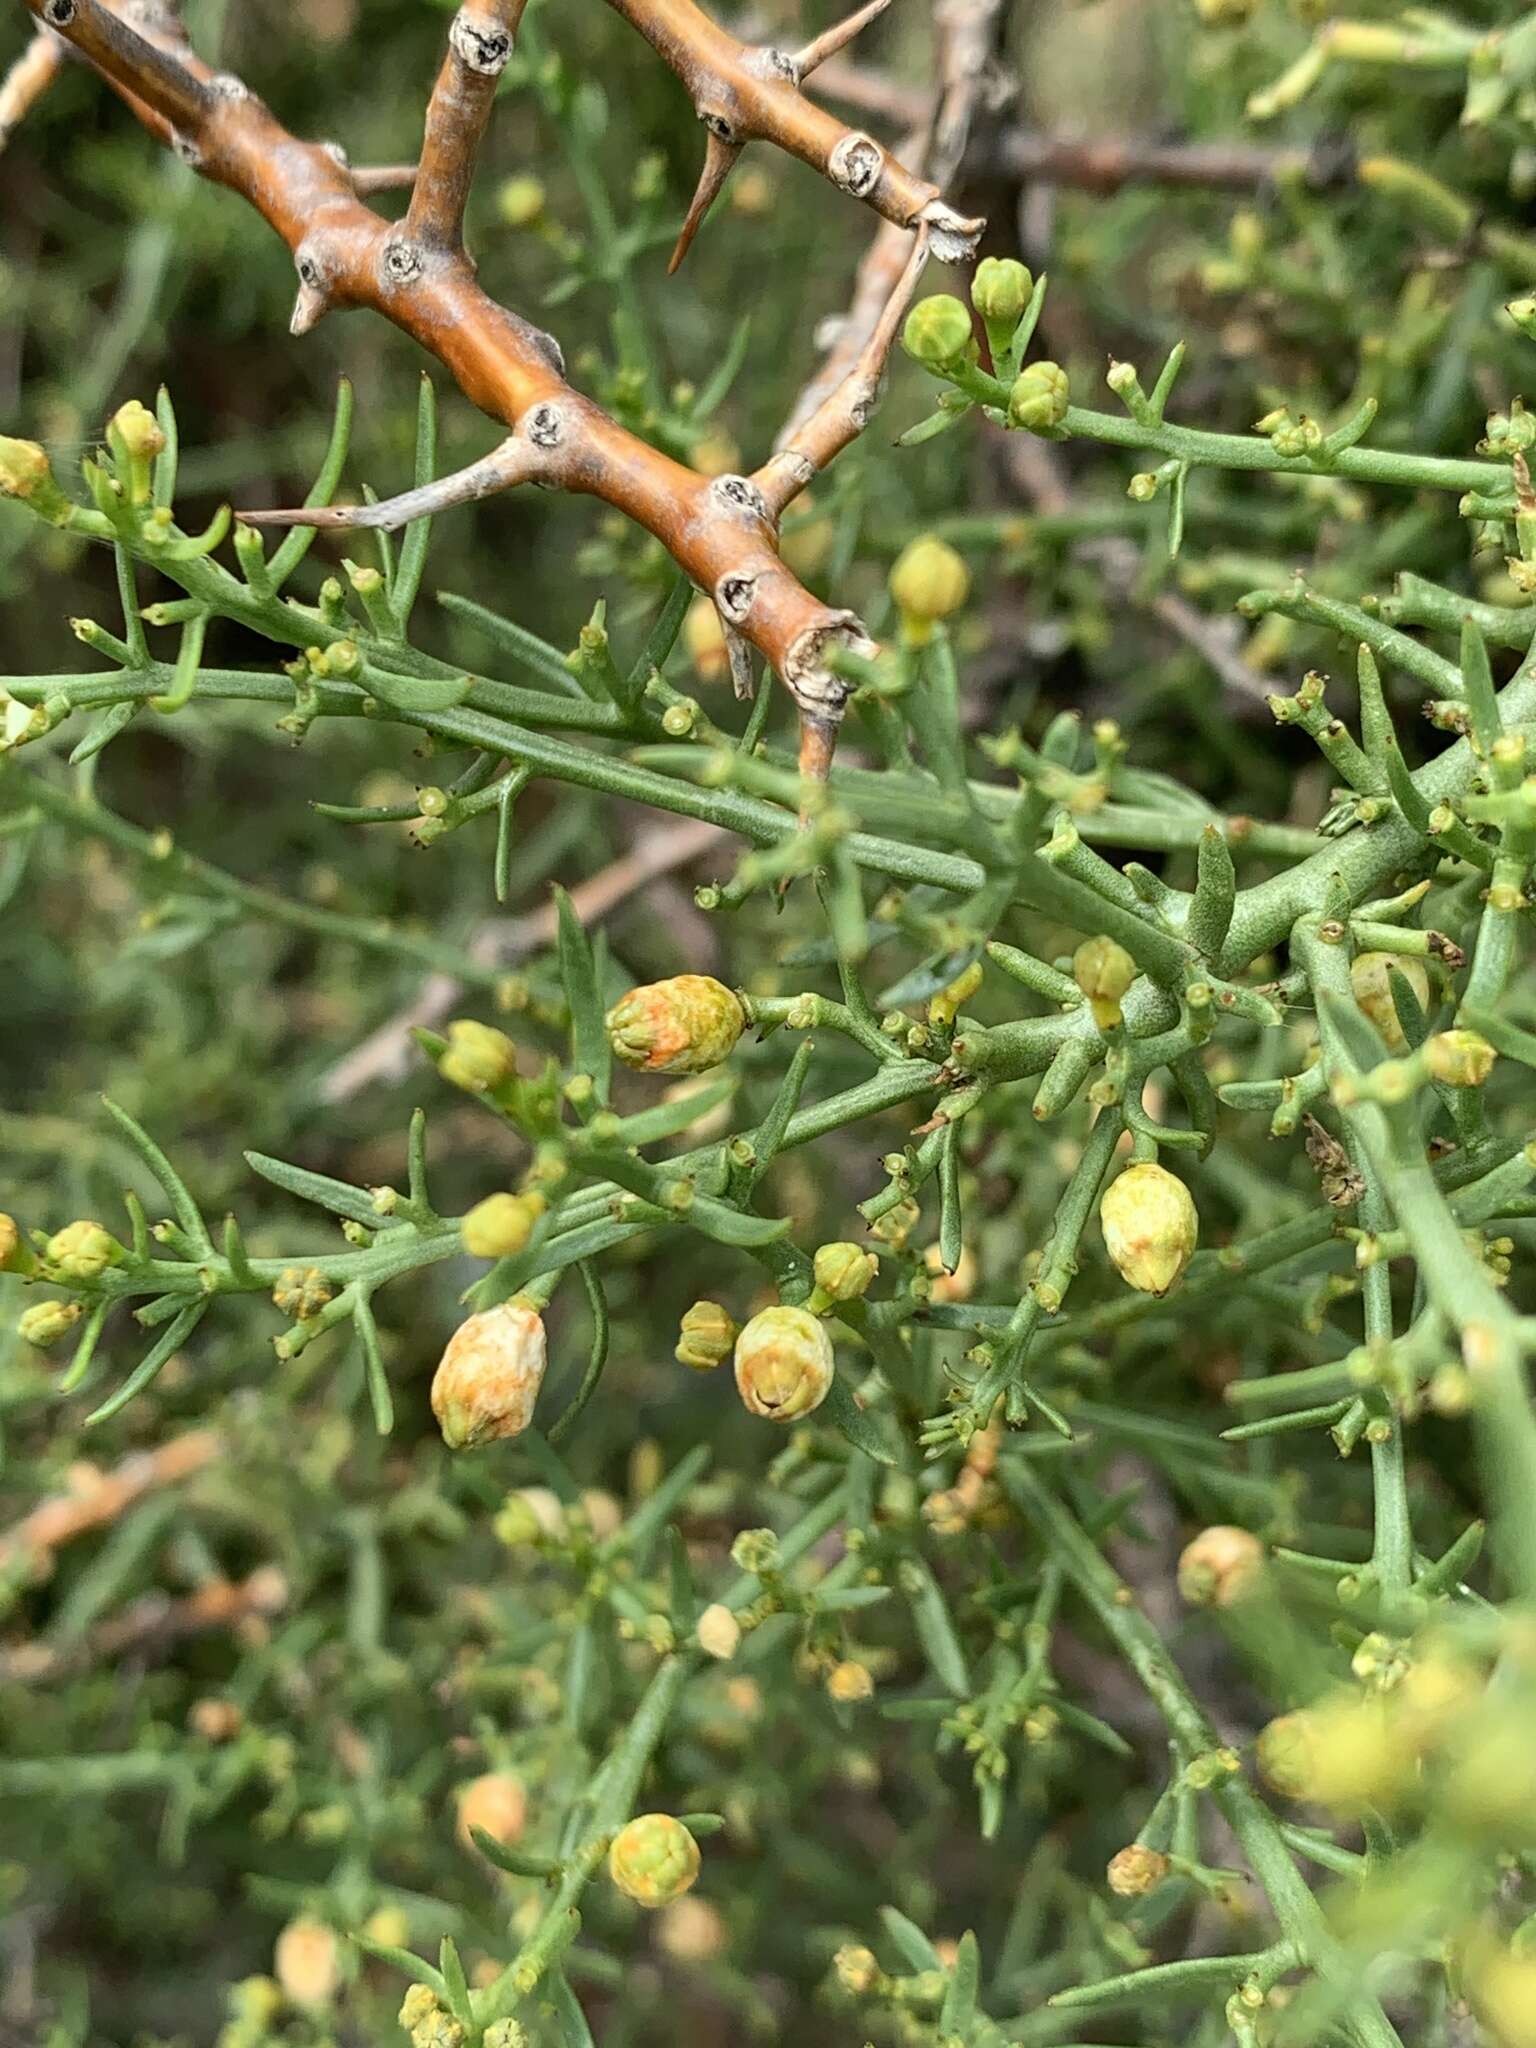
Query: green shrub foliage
(647, 1401)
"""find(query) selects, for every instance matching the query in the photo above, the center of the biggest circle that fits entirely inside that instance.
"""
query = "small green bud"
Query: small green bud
(654, 1859)
(1040, 397)
(520, 201)
(1000, 291)
(844, 1272)
(478, 1058)
(1150, 1227)
(1461, 1059)
(1103, 970)
(707, 1337)
(83, 1251)
(134, 435)
(784, 1363)
(27, 474)
(938, 331)
(46, 1323)
(501, 1225)
(929, 582)
(682, 1026)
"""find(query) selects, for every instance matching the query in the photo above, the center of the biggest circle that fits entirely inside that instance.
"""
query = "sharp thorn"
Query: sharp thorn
(719, 158)
(826, 45)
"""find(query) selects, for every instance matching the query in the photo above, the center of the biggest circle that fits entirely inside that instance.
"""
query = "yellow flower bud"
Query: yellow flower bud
(388, 1925)
(530, 1514)
(27, 474)
(83, 1251)
(301, 1292)
(654, 1859)
(489, 1378)
(857, 1970)
(1461, 1059)
(46, 1323)
(10, 1240)
(682, 1026)
(929, 582)
(1342, 1753)
(307, 1962)
(501, 1225)
(478, 1057)
(497, 1804)
(844, 1272)
(783, 1363)
(136, 427)
(1150, 1227)
(1221, 1567)
(520, 201)
(850, 1682)
(1369, 977)
(1103, 970)
(938, 331)
(706, 1338)
(718, 1632)
(1039, 399)
(1135, 1871)
(215, 1720)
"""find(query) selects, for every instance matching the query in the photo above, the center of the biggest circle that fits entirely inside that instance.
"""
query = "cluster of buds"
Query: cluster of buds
(682, 1026)
(487, 1382)
(784, 1363)
(1150, 1227)
(301, 1292)
(654, 1859)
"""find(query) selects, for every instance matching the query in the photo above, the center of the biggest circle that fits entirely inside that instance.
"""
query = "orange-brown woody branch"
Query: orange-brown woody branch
(744, 93)
(722, 531)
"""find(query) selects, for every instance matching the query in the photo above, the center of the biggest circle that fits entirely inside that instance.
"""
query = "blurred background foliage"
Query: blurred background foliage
(396, 1670)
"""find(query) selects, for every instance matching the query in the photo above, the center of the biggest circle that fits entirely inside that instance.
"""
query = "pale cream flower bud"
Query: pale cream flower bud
(307, 1962)
(488, 1381)
(1221, 1566)
(718, 1632)
(1135, 1871)
(1150, 1227)
(497, 1804)
(784, 1363)
(706, 1338)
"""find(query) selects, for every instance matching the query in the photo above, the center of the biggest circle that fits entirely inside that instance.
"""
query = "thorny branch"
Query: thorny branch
(722, 531)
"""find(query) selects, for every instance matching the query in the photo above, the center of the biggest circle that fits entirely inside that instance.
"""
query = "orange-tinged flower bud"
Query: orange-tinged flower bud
(301, 1292)
(501, 1225)
(1135, 1871)
(682, 1026)
(654, 1859)
(497, 1804)
(706, 1336)
(850, 1682)
(1369, 975)
(214, 1719)
(1150, 1227)
(1221, 1566)
(27, 474)
(307, 1962)
(784, 1363)
(489, 1378)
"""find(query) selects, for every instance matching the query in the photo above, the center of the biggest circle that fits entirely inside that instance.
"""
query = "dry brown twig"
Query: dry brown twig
(722, 531)
(101, 1497)
(151, 1625)
(28, 79)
